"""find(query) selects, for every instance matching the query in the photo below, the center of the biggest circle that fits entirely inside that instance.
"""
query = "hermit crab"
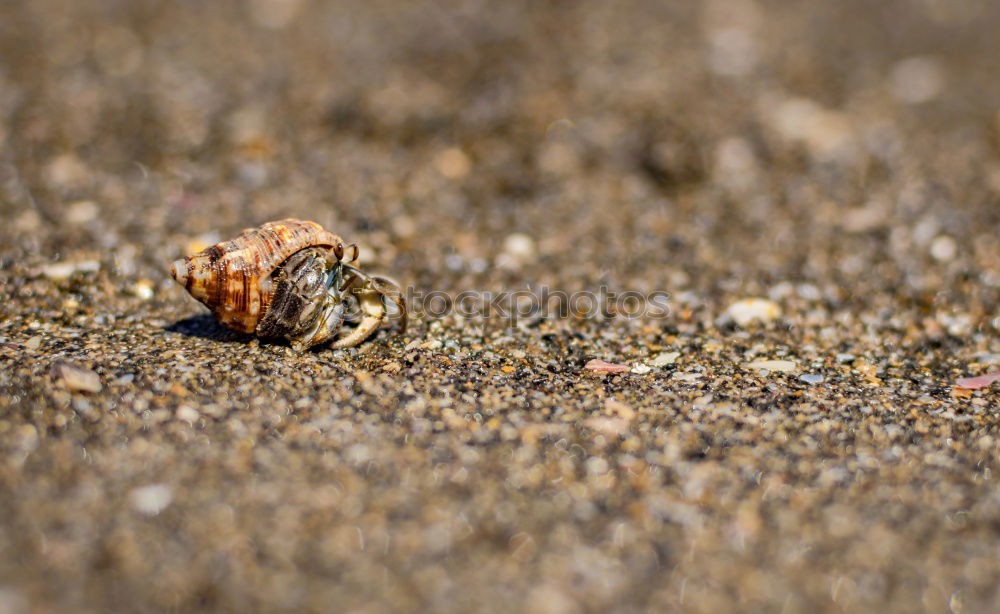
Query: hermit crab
(292, 280)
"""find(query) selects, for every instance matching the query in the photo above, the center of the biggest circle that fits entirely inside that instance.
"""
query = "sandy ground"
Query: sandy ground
(840, 160)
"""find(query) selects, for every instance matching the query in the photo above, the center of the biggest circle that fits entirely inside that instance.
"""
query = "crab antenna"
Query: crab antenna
(334, 278)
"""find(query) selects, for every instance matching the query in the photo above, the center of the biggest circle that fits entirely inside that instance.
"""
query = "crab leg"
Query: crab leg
(390, 291)
(372, 308)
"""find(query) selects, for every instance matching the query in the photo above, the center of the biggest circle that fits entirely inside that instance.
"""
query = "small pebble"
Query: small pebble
(33, 343)
(944, 249)
(187, 414)
(404, 226)
(686, 377)
(392, 367)
(519, 245)
(783, 366)
(665, 358)
(751, 310)
(453, 163)
(143, 289)
(518, 249)
(77, 378)
(600, 366)
(64, 270)
(811, 378)
(959, 392)
(641, 369)
(151, 500)
(82, 212)
(845, 358)
(607, 425)
(982, 381)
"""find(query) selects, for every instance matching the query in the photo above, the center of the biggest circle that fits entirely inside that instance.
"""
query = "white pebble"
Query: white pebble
(82, 212)
(811, 378)
(606, 425)
(783, 366)
(520, 246)
(686, 377)
(64, 270)
(749, 310)
(404, 226)
(824, 131)
(143, 289)
(187, 414)
(665, 358)
(152, 499)
(78, 378)
(641, 369)
(809, 292)
(944, 248)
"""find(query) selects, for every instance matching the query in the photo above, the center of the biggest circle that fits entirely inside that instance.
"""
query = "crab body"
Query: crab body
(288, 279)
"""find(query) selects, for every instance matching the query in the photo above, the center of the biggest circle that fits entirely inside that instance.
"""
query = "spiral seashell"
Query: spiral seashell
(233, 278)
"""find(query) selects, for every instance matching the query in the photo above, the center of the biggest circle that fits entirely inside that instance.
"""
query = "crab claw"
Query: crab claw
(325, 327)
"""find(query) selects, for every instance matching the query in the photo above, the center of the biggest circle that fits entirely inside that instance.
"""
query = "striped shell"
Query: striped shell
(232, 278)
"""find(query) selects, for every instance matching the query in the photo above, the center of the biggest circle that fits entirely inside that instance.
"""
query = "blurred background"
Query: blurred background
(669, 145)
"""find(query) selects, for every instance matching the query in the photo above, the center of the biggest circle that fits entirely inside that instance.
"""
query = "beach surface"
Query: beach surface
(772, 229)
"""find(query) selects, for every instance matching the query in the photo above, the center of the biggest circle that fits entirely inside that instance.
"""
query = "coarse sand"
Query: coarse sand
(773, 228)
